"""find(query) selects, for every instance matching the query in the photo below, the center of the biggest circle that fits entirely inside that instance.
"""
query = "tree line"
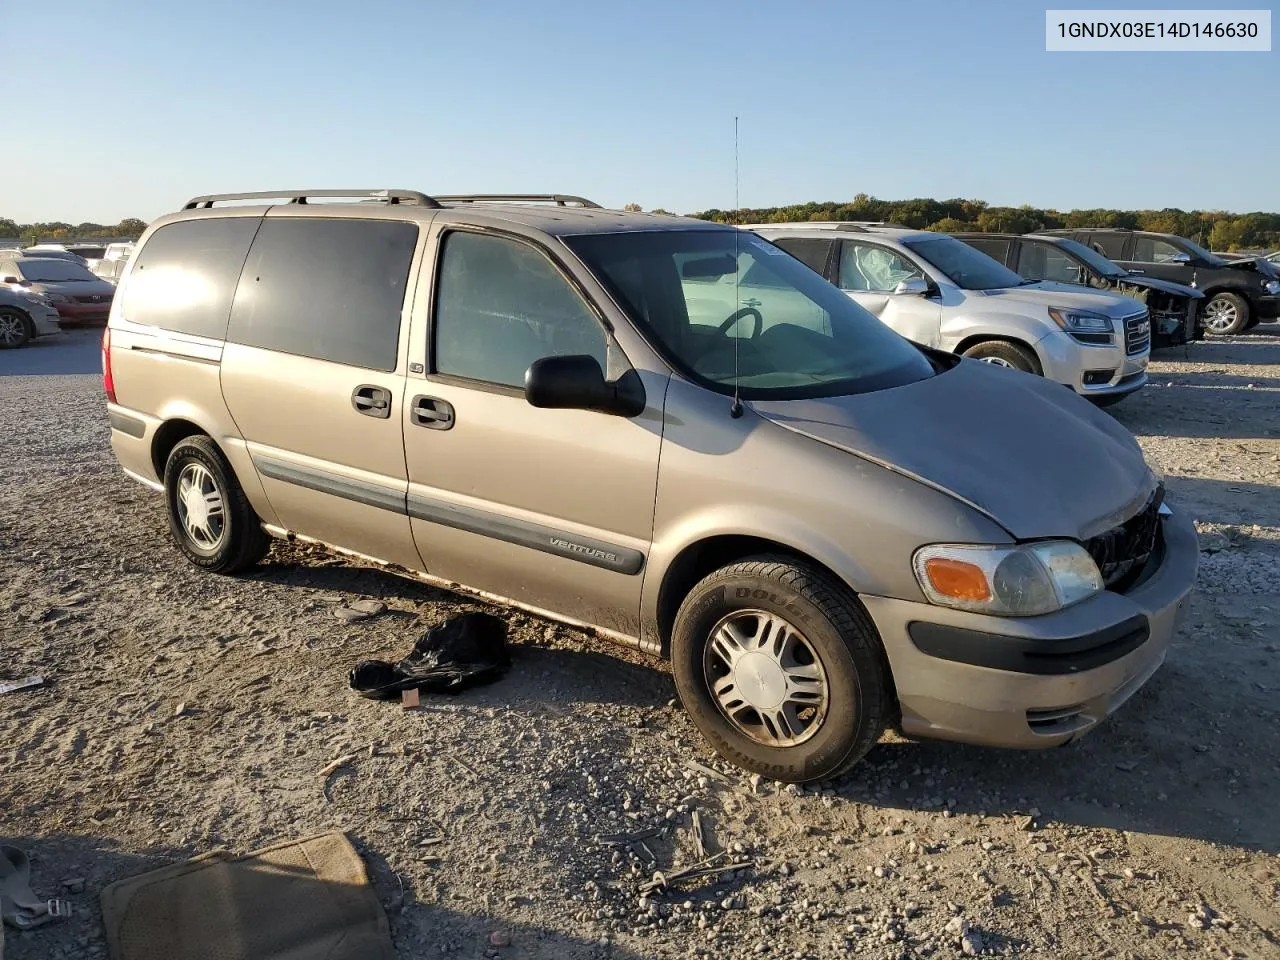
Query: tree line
(30, 233)
(1215, 229)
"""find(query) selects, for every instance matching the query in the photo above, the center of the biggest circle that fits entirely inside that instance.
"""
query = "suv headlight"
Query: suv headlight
(1081, 321)
(1019, 581)
(1272, 287)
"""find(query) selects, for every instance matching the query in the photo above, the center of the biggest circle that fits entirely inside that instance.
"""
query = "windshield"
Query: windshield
(964, 266)
(40, 270)
(1096, 261)
(725, 306)
(1201, 253)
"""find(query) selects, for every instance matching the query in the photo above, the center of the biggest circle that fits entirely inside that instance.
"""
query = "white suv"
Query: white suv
(942, 293)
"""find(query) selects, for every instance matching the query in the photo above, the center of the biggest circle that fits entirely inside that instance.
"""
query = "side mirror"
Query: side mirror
(578, 383)
(12, 280)
(912, 287)
(1179, 257)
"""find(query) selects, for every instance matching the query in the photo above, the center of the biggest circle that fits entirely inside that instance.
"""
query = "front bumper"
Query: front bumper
(1092, 371)
(1035, 682)
(45, 319)
(1267, 308)
(85, 312)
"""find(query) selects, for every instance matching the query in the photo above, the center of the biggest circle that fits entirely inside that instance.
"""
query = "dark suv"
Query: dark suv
(1239, 294)
(1174, 307)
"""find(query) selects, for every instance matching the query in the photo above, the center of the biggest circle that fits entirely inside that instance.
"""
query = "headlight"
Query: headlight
(1081, 321)
(1272, 287)
(1022, 581)
(56, 298)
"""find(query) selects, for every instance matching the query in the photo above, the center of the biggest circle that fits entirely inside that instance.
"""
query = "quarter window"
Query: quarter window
(500, 305)
(326, 289)
(864, 266)
(184, 277)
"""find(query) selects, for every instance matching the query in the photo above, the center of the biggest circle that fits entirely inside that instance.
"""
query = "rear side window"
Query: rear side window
(185, 276)
(811, 252)
(1110, 245)
(326, 289)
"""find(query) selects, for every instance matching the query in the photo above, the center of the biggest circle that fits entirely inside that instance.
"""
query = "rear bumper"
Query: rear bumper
(1035, 682)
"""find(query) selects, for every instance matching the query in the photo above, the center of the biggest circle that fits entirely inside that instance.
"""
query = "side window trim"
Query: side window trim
(442, 232)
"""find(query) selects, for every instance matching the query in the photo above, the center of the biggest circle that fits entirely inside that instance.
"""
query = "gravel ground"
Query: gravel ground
(190, 711)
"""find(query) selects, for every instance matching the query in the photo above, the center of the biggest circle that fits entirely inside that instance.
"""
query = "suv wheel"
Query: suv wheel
(781, 669)
(15, 328)
(1005, 353)
(209, 516)
(1225, 313)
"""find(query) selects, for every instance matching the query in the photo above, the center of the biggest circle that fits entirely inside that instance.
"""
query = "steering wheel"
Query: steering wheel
(738, 315)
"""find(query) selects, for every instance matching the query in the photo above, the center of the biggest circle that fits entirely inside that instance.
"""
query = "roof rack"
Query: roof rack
(559, 199)
(844, 226)
(302, 196)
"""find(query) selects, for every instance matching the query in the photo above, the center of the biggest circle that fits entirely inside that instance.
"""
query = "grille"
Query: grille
(1123, 551)
(1137, 333)
(103, 298)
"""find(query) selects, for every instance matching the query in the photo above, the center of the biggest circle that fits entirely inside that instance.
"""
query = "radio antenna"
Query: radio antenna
(735, 409)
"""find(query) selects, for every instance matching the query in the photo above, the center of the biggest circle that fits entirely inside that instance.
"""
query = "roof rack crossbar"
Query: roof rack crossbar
(301, 196)
(559, 199)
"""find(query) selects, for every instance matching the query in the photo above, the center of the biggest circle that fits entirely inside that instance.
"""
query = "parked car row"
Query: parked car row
(677, 434)
(939, 292)
(1238, 294)
(43, 291)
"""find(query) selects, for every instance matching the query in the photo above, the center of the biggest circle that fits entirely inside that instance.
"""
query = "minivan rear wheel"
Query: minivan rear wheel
(1005, 353)
(209, 515)
(781, 669)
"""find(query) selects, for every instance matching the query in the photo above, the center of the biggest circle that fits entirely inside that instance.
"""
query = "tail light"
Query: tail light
(107, 383)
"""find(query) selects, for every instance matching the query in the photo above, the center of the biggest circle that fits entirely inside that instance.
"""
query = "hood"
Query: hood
(75, 288)
(1047, 294)
(1259, 264)
(1025, 451)
(1155, 283)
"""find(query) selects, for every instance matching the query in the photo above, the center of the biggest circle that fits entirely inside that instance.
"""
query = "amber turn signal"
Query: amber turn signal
(957, 579)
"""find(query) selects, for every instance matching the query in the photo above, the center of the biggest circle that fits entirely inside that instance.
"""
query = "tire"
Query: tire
(1229, 311)
(1006, 353)
(826, 620)
(228, 541)
(15, 328)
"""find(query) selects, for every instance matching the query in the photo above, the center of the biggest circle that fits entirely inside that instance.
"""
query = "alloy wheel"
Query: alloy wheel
(200, 507)
(1219, 314)
(998, 362)
(765, 678)
(13, 330)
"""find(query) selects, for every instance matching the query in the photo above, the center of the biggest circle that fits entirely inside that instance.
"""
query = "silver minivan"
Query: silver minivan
(828, 530)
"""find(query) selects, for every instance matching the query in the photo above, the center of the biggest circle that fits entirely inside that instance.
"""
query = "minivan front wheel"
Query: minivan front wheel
(209, 515)
(781, 669)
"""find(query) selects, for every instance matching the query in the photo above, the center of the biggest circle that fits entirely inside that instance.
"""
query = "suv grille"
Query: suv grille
(1137, 333)
(1123, 551)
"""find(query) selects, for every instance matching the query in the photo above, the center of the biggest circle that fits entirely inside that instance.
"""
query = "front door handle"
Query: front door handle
(750, 302)
(432, 413)
(372, 401)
